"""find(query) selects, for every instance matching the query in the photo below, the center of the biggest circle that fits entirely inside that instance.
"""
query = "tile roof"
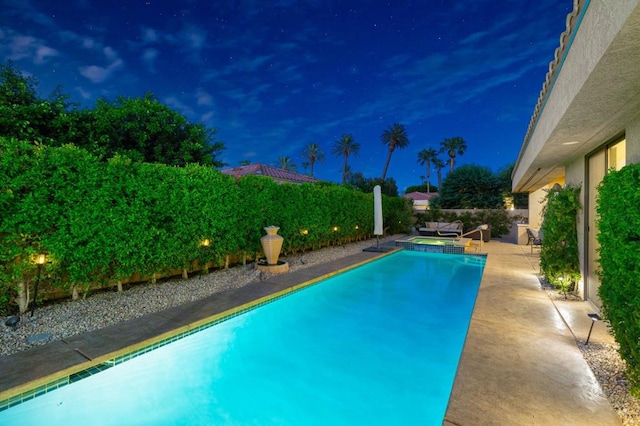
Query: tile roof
(421, 195)
(554, 67)
(275, 173)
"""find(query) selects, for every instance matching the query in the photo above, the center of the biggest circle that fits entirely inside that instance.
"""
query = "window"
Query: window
(616, 155)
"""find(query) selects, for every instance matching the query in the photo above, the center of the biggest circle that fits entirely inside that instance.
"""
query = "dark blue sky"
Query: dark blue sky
(273, 76)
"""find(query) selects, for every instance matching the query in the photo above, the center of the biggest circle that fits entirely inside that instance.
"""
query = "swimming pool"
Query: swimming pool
(376, 345)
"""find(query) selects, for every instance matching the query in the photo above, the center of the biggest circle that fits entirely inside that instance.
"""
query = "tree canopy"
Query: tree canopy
(364, 184)
(313, 153)
(345, 146)
(421, 188)
(141, 128)
(286, 163)
(452, 147)
(468, 187)
(425, 158)
(520, 200)
(394, 137)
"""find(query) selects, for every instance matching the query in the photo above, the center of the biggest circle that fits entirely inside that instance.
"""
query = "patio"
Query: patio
(520, 364)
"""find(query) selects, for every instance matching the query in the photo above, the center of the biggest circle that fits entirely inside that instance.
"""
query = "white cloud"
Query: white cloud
(16, 46)
(203, 98)
(193, 37)
(83, 93)
(149, 35)
(98, 74)
(176, 103)
(110, 54)
(88, 43)
(149, 58)
(207, 116)
(44, 52)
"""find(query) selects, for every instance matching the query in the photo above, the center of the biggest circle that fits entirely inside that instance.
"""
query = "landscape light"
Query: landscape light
(205, 243)
(304, 231)
(335, 229)
(41, 259)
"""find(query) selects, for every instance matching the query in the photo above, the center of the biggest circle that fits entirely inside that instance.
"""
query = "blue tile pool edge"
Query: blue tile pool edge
(73, 374)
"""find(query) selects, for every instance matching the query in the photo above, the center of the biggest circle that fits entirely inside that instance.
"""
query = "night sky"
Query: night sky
(273, 76)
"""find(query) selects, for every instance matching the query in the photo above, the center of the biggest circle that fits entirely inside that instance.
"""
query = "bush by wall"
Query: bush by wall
(101, 222)
(559, 256)
(497, 219)
(618, 209)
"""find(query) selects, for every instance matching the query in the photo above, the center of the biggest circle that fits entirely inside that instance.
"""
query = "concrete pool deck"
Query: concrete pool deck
(520, 363)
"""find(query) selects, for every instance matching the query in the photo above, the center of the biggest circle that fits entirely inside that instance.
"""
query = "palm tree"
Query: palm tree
(425, 157)
(305, 164)
(396, 137)
(345, 146)
(453, 146)
(313, 153)
(439, 164)
(286, 163)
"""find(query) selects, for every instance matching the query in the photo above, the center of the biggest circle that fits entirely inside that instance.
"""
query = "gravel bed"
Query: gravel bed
(66, 318)
(607, 366)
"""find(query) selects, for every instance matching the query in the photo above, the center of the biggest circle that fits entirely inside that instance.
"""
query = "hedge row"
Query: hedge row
(497, 219)
(618, 209)
(102, 222)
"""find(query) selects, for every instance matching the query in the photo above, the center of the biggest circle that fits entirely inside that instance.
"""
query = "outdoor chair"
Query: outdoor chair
(535, 238)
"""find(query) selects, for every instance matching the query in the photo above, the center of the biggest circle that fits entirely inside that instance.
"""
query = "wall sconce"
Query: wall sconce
(41, 259)
(205, 243)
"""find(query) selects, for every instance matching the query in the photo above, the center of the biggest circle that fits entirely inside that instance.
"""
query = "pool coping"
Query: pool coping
(44, 368)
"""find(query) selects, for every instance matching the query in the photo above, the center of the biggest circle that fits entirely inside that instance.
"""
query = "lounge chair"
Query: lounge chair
(535, 238)
(442, 229)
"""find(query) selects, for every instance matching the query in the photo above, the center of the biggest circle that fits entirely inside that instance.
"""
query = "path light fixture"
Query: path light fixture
(41, 259)
(335, 229)
(357, 227)
(304, 232)
(594, 318)
(204, 244)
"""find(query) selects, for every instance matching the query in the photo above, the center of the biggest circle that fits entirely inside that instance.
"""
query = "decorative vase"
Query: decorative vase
(271, 244)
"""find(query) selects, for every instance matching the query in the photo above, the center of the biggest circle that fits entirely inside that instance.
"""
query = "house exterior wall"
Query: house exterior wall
(420, 205)
(633, 140)
(535, 207)
(591, 100)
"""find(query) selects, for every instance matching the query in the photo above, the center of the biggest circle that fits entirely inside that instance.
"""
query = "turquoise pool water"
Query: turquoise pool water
(376, 345)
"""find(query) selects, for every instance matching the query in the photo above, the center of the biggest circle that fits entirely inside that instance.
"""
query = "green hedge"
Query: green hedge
(497, 219)
(101, 222)
(618, 209)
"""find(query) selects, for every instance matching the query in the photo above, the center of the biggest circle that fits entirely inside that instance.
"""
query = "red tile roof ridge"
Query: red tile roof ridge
(270, 171)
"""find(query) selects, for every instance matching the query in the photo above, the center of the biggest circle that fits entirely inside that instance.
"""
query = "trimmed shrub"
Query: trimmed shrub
(618, 209)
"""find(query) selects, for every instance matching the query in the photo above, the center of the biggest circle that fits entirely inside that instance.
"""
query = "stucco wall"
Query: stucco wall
(535, 207)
